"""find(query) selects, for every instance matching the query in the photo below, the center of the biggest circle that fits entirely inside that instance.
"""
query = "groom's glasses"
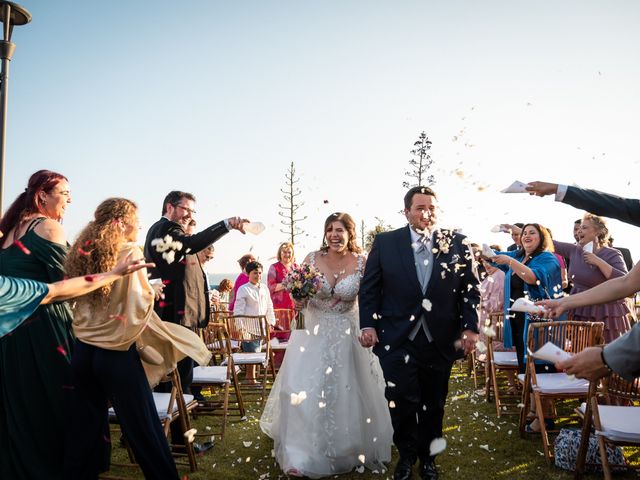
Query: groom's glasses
(190, 211)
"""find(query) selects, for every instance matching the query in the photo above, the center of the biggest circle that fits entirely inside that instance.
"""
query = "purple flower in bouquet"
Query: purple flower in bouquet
(303, 282)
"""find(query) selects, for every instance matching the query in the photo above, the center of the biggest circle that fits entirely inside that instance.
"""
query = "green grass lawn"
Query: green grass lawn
(480, 446)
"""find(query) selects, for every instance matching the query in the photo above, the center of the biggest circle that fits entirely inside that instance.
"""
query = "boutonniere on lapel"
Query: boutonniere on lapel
(443, 241)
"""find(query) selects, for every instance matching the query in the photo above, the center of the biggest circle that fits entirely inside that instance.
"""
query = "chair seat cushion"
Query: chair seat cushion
(559, 383)
(249, 358)
(505, 359)
(161, 401)
(280, 346)
(621, 424)
(212, 374)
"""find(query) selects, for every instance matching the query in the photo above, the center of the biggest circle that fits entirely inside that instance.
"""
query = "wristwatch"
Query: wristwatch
(604, 362)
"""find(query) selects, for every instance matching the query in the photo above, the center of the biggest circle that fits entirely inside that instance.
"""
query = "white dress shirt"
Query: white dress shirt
(254, 300)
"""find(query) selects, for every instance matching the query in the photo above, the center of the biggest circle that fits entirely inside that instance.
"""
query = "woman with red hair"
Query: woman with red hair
(35, 358)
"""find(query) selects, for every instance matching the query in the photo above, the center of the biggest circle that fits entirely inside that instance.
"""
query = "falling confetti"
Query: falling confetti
(438, 445)
(298, 398)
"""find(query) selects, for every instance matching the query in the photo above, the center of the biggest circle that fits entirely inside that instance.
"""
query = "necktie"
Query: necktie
(422, 254)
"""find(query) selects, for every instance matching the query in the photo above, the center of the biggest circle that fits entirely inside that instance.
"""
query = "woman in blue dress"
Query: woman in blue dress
(531, 271)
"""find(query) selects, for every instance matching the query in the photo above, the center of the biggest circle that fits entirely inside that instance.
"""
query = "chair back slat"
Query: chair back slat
(247, 328)
(570, 336)
(616, 386)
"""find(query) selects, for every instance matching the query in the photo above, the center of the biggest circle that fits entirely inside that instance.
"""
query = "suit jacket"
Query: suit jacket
(391, 299)
(197, 306)
(623, 354)
(624, 209)
(171, 309)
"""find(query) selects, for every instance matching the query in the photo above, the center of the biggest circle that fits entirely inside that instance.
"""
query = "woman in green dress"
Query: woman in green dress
(35, 358)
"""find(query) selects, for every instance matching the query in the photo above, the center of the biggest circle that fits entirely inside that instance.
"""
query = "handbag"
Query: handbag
(566, 447)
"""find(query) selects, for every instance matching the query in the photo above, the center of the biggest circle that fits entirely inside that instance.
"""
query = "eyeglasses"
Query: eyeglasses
(188, 210)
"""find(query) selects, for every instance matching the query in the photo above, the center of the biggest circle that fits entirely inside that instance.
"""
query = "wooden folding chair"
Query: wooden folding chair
(500, 362)
(246, 328)
(286, 321)
(613, 410)
(570, 336)
(219, 378)
(171, 407)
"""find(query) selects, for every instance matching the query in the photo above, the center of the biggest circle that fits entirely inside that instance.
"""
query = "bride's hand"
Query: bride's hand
(301, 304)
(368, 337)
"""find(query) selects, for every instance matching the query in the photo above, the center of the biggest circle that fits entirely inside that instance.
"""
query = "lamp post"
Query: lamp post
(10, 14)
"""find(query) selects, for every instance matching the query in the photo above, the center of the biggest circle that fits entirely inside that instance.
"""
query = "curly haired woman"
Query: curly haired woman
(122, 348)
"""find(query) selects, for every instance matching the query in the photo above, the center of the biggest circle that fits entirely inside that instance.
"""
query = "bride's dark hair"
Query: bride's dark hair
(346, 220)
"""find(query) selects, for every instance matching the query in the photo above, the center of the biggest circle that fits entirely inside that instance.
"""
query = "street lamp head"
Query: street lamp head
(12, 14)
(18, 15)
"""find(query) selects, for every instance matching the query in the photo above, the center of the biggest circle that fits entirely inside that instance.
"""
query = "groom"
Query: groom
(418, 302)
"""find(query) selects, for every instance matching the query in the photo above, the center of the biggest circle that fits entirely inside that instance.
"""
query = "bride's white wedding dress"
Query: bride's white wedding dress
(327, 413)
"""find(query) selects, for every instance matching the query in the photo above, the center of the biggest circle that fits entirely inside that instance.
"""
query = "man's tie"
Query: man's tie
(422, 254)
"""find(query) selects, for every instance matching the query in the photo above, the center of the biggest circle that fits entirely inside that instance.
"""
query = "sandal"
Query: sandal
(549, 424)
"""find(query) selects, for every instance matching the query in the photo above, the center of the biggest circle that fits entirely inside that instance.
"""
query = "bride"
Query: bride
(327, 413)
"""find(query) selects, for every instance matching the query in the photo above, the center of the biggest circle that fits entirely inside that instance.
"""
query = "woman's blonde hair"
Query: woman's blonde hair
(601, 226)
(96, 248)
(282, 246)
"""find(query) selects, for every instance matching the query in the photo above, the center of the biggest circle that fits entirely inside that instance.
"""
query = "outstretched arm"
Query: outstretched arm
(77, 286)
(614, 289)
(624, 209)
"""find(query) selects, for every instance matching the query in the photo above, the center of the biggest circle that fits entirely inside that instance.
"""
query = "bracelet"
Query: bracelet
(604, 362)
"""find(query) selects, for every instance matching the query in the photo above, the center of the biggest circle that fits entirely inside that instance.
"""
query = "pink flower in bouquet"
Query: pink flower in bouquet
(303, 282)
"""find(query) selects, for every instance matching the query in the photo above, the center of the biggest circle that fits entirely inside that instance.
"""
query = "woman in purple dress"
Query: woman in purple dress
(591, 262)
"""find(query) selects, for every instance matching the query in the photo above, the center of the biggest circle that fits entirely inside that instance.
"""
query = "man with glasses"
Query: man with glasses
(168, 244)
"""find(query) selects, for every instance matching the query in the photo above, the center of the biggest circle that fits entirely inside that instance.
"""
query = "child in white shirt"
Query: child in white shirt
(253, 298)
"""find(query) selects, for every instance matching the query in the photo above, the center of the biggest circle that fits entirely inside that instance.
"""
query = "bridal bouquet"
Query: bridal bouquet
(303, 282)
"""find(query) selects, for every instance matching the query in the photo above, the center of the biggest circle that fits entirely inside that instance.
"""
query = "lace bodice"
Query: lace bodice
(343, 296)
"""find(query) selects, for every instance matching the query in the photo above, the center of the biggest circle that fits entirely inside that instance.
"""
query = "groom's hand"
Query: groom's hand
(469, 339)
(368, 337)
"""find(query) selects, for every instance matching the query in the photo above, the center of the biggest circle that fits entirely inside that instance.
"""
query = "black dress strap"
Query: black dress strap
(34, 223)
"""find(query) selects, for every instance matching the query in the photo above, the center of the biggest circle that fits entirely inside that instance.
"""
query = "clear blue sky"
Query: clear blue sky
(138, 98)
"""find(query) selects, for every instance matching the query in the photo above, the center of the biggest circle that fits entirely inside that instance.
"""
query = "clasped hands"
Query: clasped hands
(368, 337)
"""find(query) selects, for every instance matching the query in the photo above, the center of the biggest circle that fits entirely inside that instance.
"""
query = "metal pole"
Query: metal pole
(6, 52)
(10, 14)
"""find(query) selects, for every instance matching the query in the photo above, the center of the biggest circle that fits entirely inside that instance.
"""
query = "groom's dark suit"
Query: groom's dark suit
(391, 301)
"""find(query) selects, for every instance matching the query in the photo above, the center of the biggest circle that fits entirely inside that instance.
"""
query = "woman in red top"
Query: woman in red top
(279, 296)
